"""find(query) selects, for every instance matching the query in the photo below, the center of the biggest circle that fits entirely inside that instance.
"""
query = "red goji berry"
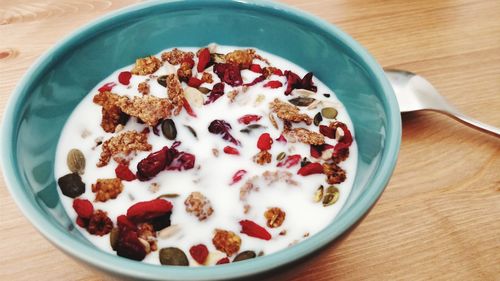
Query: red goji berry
(124, 77)
(311, 168)
(291, 160)
(347, 137)
(223, 261)
(125, 224)
(256, 68)
(273, 84)
(252, 229)
(189, 62)
(231, 150)
(249, 118)
(199, 253)
(327, 131)
(107, 87)
(123, 172)
(265, 141)
(277, 71)
(82, 222)
(256, 80)
(237, 176)
(144, 211)
(317, 150)
(188, 107)
(203, 59)
(83, 208)
(194, 82)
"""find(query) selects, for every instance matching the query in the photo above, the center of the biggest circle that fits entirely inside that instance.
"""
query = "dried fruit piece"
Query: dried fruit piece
(252, 229)
(83, 208)
(275, 217)
(263, 157)
(264, 142)
(123, 172)
(249, 118)
(256, 80)
(334, 174)
(147, 210)
(294, 82)
(150, 166)
(301, 101)
(231, 150)
(226, 241)
(217, 92)
(161, 222)
(199, 253)
(281, 139)
(188, 108)
(255, 68)
(310, 169)
(331, 196)
(107, 87)
(317, 150)
(245, 255)
(71, 185)
(221, 127)
(180, 160)
(274, 84)
(99, 224)
(194, 82)
(238, 176)
(76, 161)
(173, 256)
(198, 205)
(317, 119)
(223, 261)
(229, 73)
(106, 189)
(203, 59)
(129, 246)
(124, 77)
(168, 129)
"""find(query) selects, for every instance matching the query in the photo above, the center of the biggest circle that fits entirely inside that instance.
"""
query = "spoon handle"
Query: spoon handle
(473, 123)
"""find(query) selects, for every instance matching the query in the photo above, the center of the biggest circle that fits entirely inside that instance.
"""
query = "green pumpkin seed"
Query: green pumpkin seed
(204, 90)
(113, 238)
(251, 127)
(71, 185)
(162, 80)
(332, 195)
(281, 156)
(329, 112)
(76, 161)
(168, 195)
(173, 256)
(191, 130)
(301, 101)
(317, 119)
(318, 195)
(245, 255)
(217, 58)
(168, 129)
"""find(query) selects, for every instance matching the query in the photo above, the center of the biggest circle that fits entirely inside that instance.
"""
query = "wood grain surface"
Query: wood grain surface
(439, 217)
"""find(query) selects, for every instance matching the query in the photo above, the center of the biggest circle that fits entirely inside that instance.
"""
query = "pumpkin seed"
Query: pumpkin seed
(168, 195)
(113, 237)
(204, 90)
(301, 101)
(217, 58)
(245, 255)
(76, 161)
(191, 130)
(329, 112)
(193, 96)
(317, 119)
(173, 256)
(162, 80)
(331, 196)
(168, 129)
(71, 185)
(318, 195)
(281, 156)
(251, 127)
(326, 95)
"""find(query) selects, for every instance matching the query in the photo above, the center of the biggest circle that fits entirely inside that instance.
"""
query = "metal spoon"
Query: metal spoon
(415, 93)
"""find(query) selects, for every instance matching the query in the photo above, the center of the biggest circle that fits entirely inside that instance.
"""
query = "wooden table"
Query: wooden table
(439, 218)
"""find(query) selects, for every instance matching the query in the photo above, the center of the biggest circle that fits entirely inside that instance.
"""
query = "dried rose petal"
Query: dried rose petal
(295, 82)
(199, 253)
(221, 127)
(229, 73)
(147, 210)
(256, 80)
(150, 166)
(255, 68)
(249, 118)
(107, 87)
(216, 93)
(281, 139)
(123, 172)
(188, 108)
(264, 142)
(252, 229)
(83, 208)
(182, 161)
(310, 169)
(238, 176)
(327, 131)
(124, 77)
(290, 161)
(273, 84)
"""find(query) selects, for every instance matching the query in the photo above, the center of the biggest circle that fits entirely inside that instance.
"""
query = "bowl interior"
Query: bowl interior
(55, 85)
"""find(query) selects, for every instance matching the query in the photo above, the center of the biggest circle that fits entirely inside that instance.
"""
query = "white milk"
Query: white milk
(211, 176)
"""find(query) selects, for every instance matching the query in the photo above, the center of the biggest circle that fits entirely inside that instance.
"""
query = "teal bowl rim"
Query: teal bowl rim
(125, 267)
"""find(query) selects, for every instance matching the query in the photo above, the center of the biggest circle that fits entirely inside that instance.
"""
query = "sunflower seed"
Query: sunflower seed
(76, 161)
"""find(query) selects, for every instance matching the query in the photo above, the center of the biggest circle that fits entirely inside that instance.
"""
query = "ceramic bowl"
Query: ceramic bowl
(55, 84)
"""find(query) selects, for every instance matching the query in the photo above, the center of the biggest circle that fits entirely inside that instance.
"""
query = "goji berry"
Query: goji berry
(256, 80)
(83, 208)
(231, 150)
(277, 71)
(124, 77)
(123, 172)
(317, 150)
(273, 84)
(147, 210)
(188, 108)
(290, 161)
(249, 118)
(237, 176)
(265, 141)
(82, 222)
(347, 137)
(327, 131)
(256, 68)
(310, 168)
(203, 59)
(125, 224)
(252, 229)
(107, 87)
(223, 261)
(199, 253)
(194, 82)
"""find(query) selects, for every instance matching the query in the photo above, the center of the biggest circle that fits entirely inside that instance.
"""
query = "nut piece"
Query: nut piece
(125, 143)
(263, 157)
(243, 58)
(106, 189)
(197, 204)
(146, 232)
(275, 217)
(289, 112)
(145, 66)
(176, 56)
(112, 115)
(334, 174)
(226, 241)
(175, 93)
(100, 224)
(207, 78)
(304, 135)
(143, 88)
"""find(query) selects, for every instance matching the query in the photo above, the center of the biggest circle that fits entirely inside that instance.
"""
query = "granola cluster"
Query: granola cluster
(198, 205)
(334, 174)
(275, 217)
(289, 112)
(175, 93)
(304, 136)
(226, 241)
(124, 143)
(106, 189)
(112, 115)
(176, 56)
(263, 157)
(147, 65)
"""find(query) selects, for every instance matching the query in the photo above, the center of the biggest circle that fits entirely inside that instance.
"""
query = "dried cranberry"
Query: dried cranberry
(153, 164)
(182, 161)
(265, 141)
(256, 80)
(310, 169)
(147, 210)
(221, 127)
(129, 246)
(249, 118)
(107, 87)
(238, 176)
(255, 68)
(83, 208)
(252, 229)
(290, 161)
(199, 253)
(188, 108)
(295, 82)
(273, 84)
(327, 131)
(124, 77)
(123, 172)
(203, 59)
(223, 261)
(216, 93)
(229, 73)
(194, 82)
(231, 150)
